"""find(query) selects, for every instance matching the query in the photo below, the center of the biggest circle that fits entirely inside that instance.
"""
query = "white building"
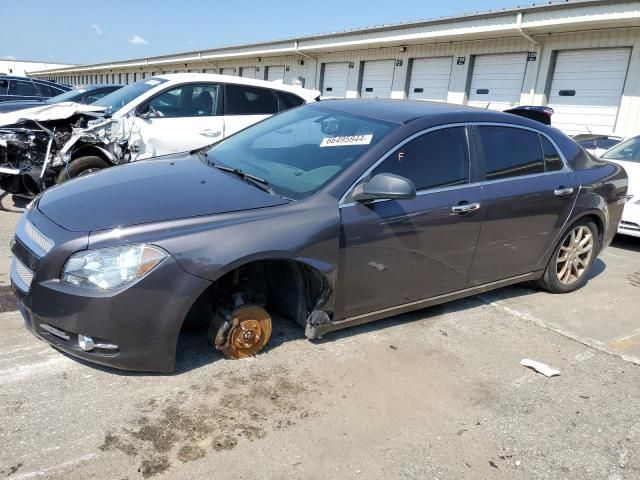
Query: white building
(21, 67)
(580, 57)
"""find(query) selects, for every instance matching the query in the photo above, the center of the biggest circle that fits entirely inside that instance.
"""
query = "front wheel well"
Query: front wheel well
(285, 288)
(89, 150)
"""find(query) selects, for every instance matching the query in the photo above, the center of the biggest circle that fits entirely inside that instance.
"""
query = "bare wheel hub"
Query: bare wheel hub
(574, 255)
(249, 330)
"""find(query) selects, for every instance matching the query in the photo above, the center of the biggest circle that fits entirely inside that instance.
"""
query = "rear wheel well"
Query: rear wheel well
(285, 288)
(599, 225)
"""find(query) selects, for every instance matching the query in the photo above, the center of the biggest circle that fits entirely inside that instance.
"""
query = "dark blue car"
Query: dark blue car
(24, 88)
(85, 95)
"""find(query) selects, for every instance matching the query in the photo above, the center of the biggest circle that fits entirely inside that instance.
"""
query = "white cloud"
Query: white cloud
(138, 40)
(9, 57)
(97, 29)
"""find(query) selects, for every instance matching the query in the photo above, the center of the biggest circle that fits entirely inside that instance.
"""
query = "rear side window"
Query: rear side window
(510, 152)
(289, 100)
(245, 100)
(18, 87)
(4, 87)
(434, 160)
(552, 160)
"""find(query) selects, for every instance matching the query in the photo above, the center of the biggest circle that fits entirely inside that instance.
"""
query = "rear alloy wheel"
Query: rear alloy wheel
(568, 268)
(82, 166)
(574, 255)
(245, 332)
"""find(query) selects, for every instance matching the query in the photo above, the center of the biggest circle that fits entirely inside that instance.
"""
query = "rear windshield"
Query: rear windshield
(301, 150)
(118, 99)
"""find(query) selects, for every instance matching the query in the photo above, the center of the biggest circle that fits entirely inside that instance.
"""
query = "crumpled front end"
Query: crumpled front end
(33, 152)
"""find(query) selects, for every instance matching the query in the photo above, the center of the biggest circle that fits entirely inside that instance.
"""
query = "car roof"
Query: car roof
(406, 111)
(305, 93)
(95, 86)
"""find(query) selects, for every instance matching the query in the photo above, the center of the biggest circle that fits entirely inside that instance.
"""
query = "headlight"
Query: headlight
(110, 268)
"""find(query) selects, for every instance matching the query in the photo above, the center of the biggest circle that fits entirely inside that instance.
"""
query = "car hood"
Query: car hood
(165, 188)
(43, 113)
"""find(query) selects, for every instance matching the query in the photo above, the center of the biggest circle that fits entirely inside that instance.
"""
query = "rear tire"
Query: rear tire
(82, 166)
(572, 259)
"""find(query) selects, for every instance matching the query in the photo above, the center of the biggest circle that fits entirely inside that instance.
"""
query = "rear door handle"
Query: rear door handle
(563, 192)
(469, 207)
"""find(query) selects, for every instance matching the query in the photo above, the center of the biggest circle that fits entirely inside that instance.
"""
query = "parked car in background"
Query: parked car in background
(24, 88)
(627, 154)
(333, 214)
(154, 116)
(596, 144)
(85, 95)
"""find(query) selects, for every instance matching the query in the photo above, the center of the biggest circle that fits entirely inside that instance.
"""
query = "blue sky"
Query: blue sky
(89, 32)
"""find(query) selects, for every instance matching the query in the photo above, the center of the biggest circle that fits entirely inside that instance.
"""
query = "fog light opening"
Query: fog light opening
(86, 343)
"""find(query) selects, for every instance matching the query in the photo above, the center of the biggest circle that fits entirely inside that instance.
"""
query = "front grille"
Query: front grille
(21, 275)
(33, 239)
(630, 226)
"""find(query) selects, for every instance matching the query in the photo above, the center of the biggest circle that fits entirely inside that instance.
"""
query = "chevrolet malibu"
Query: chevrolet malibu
(331, 214)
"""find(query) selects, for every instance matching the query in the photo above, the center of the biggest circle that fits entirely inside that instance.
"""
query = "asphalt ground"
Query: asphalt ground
(435, 394)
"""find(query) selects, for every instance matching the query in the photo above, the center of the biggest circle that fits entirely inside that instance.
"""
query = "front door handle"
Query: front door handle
(563, 191)
(210, 133)
(466, 208)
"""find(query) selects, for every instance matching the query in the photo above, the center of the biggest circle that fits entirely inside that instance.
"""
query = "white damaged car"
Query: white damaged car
(164, 114)
(627, 154)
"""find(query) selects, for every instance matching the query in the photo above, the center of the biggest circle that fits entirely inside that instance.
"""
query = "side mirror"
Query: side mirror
(385, 186)
(146, 111)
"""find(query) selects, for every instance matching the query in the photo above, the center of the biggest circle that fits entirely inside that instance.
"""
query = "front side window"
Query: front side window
(627, 151)
(4, 87)
(27, 89)
(436, 159)
(246, 100)
(300, 150)
(510, 152)
(185, 101)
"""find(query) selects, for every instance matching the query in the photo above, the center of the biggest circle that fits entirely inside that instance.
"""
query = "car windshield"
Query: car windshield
(70, 96)
(627, 151)
(301, 150)
(118, 99)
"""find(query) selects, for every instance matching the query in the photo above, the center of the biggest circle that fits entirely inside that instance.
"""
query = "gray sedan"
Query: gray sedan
(331, 214)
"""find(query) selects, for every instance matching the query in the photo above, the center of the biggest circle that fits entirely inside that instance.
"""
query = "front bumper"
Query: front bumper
(143, 320)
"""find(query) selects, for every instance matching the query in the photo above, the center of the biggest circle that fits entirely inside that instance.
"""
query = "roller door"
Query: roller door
(377, 78)
(430, 79)
(586, 89)
(334, 80)
(227, 71)
(275, 73)
(248, 72)
(496, 81)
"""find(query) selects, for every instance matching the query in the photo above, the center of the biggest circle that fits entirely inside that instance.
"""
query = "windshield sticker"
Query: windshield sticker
(347, 140)
(152, 82)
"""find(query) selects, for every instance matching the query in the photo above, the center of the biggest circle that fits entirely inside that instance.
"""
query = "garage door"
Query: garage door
(248, 72)
(227, 71)
(496, 81)
(275, 74)
(430, 79)
(586, 89)
(334, 80)
(377, 77)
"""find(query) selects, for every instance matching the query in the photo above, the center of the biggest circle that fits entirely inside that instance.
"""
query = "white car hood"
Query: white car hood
(58, 111)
